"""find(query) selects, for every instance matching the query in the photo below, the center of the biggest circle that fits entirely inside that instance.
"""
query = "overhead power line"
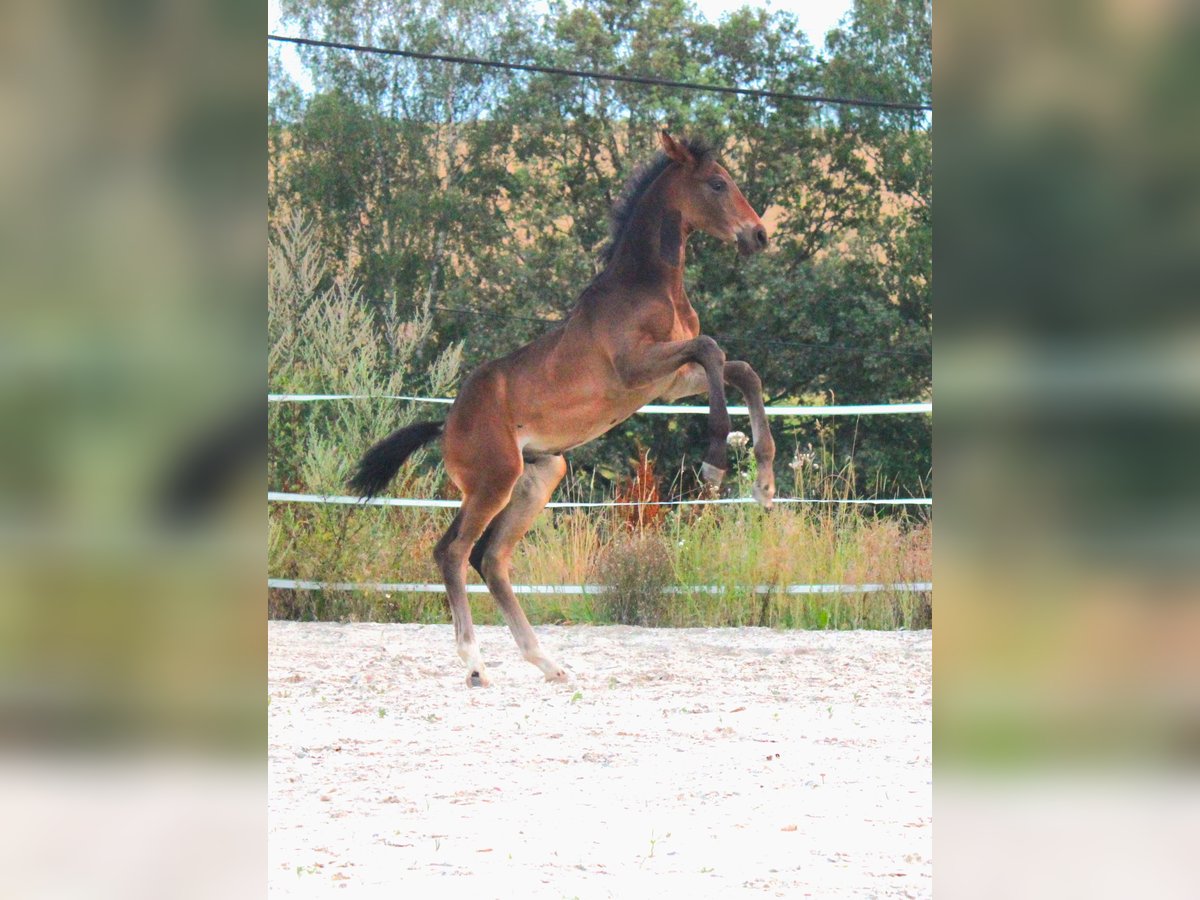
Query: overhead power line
(605, 76)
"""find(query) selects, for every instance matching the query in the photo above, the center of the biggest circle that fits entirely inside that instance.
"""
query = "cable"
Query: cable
(604, 76)
(810, 345)
(463, 311)
(668, 409)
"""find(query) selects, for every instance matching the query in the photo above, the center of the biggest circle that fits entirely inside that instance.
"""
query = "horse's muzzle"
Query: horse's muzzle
(752, 240)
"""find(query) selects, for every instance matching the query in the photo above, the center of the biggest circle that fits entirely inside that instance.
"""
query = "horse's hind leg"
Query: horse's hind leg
(478, 509)
(492, 556)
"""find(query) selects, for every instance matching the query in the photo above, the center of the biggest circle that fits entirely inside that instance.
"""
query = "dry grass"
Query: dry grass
(734, 548)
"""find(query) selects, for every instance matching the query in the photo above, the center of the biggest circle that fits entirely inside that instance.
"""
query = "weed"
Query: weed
(635, 570)
(654, 842)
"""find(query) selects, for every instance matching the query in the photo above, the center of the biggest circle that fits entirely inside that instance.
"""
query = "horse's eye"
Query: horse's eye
(717, 184)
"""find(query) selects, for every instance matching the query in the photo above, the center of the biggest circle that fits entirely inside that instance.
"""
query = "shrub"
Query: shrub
(635, 569)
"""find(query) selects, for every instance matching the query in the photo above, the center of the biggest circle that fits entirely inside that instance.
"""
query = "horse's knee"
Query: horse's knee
(740, 375)
(708, 351)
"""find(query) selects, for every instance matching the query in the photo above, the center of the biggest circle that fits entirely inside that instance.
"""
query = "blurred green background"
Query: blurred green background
(132, 641)
(1067, 655)
(132, 229)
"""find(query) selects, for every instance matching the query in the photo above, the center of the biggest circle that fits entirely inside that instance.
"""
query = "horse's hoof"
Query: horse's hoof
(478, 679)
(711, 475)
(765, 496)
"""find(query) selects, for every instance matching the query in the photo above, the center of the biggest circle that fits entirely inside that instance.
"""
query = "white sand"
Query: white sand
(677, 762)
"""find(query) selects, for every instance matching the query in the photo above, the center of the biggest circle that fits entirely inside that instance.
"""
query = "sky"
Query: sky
(816, 17)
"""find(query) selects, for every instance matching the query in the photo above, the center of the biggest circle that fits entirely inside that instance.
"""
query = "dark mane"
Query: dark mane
(638, 184)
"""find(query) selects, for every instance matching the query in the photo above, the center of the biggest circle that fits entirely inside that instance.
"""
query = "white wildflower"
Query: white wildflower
(737, 439)
(804, 460)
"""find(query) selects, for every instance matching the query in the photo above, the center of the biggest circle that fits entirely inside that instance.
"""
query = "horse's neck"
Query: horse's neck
(653, 249)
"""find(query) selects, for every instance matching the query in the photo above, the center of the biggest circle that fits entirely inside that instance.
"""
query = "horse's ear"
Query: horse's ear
(676, 150)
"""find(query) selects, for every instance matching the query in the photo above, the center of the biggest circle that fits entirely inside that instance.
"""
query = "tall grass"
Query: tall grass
(324, 340)
(731, 548)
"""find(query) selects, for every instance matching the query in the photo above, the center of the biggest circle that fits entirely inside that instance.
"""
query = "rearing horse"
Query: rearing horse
(632, 337)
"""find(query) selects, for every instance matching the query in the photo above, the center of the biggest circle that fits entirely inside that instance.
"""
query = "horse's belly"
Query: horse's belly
(568, 428)
(576, 421)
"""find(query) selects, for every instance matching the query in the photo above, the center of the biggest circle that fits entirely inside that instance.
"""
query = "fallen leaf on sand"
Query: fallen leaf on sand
(788, 828)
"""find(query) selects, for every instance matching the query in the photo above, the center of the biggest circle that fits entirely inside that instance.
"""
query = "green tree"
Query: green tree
(483, 196)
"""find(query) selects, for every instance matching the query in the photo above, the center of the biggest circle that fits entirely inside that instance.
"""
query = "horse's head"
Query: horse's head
(710, 201)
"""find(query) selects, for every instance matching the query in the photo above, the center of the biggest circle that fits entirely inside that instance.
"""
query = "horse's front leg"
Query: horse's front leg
(693, 381)
(746, 380)
(646, 363)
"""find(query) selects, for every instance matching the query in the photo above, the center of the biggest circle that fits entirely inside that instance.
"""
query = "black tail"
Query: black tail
(380, 464)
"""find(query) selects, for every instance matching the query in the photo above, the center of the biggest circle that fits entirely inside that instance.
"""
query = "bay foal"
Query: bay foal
(632, 337)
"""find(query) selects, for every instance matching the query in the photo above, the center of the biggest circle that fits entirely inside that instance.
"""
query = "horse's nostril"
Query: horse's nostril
(760, 235)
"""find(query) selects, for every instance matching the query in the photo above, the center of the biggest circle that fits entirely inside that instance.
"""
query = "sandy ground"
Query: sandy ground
(677, 762)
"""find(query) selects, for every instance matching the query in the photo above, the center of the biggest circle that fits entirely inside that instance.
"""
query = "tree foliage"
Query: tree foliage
(483, 195)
